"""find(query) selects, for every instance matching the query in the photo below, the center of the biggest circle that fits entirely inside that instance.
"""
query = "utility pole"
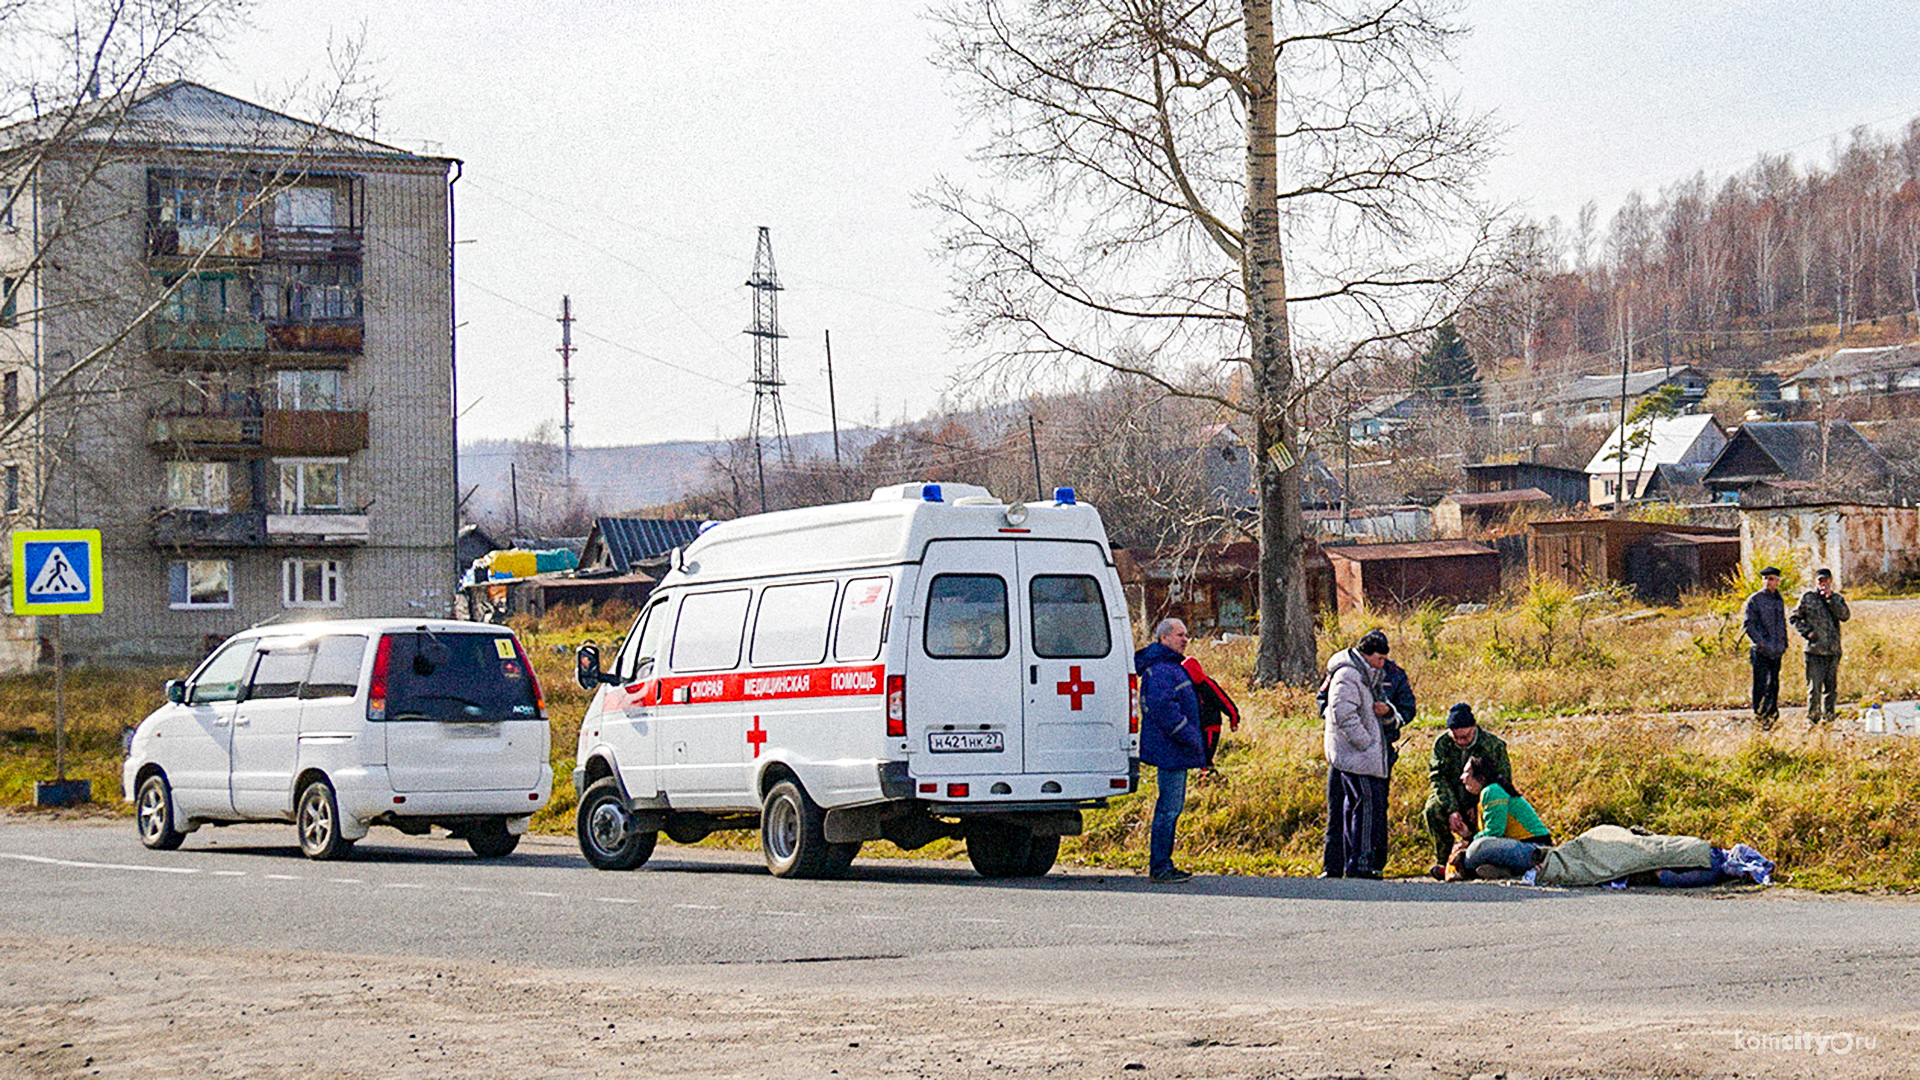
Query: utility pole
(769, 419)
(513, 480)
(1626, 357)
(833, 410)
(566, 380)
(1033, 444)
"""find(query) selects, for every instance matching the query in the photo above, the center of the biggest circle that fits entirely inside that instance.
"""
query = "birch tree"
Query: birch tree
(1174, 184)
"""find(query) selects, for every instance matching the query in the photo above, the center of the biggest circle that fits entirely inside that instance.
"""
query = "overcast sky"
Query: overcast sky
(625, 152)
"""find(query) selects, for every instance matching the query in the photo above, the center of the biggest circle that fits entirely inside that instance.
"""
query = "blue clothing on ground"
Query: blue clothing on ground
(1502, 851)
(1169, 711)
(1167, 804)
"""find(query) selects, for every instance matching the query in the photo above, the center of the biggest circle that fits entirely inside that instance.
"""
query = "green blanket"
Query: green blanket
(1606, 852)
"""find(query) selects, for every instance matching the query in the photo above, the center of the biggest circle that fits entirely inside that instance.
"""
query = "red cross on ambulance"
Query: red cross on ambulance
(1074, 687)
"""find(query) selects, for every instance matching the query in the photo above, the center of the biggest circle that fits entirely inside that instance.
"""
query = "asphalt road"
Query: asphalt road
(709, 920)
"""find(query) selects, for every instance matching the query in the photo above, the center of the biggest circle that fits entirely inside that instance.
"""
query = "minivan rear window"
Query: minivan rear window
(457, 676)
(1069, 617)
(967, 617)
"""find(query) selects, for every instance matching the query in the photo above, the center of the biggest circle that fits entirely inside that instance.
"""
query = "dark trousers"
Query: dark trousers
(1823, 678)
(1356, 824)
(1766, 685)
(1441, 830)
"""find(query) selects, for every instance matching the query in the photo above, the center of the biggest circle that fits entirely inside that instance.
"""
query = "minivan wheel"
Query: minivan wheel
(999, 850)
(317, 818)
(605, 828)
(793, 836)
(153, 813)
(492, 840)
(1041, 856)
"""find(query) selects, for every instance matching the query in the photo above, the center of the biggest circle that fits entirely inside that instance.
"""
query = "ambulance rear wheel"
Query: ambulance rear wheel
(999, 850)
(793, 835)
(1041, 855)
(605, 828)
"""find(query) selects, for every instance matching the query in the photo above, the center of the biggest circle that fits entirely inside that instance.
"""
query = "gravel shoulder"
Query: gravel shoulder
(77, 1008)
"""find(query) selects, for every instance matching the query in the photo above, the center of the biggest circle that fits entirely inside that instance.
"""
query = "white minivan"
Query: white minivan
(930, 663)
(339, 726)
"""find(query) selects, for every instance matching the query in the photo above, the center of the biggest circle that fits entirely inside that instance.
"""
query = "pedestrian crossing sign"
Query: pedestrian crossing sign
(56, 572)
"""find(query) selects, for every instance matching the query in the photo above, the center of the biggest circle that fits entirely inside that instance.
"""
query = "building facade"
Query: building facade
(238, 328)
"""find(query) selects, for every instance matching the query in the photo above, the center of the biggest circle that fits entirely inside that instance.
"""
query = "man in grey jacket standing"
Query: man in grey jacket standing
(1818, 617)
(1356, 760)
(1766, 624)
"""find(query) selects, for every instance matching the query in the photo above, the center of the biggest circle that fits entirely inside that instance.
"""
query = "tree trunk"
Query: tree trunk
(1287, 651)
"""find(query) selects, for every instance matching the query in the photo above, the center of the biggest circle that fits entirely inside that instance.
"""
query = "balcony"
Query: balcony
(210, 528)
(311, 243)
(175, 430)
(206, 336)
(314, 431)
(317, 529)
(318, 337)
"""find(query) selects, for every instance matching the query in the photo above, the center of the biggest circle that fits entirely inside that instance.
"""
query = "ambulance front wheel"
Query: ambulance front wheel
(793, 835)
(605, 828)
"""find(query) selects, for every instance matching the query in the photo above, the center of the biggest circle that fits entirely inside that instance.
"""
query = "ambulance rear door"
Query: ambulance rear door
(1075, 657)
(966, 664)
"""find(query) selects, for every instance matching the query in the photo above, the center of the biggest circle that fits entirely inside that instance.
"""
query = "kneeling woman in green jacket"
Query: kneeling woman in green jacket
(1511, 837)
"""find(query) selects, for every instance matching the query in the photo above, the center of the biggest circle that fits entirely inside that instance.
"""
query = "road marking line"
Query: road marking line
(347, 880)
(77, 863)
(543, 895)
(474, 888)
(697, 907)
(980, 920)
(1092, 926)
(616, 900)
(231, 873)
(283, 877)
(403, 885)
(792, 914)
(882, 918)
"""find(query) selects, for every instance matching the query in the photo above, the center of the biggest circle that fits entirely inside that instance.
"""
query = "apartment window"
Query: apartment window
(11, 480)
(310, 292)
(200, 583)
(306, 389)
(10, 394)
(198, 485)
(10, 305)
(201, 298)
(304, 208)
(306, 583)
(310, 485)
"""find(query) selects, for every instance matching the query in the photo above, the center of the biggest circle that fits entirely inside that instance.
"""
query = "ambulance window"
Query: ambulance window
(1069, 617)
(863, 615)
(967, 617)
(707, 636)
(627, 663)
(791, 625)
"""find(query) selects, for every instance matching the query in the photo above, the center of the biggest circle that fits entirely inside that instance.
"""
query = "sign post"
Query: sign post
(57, 572)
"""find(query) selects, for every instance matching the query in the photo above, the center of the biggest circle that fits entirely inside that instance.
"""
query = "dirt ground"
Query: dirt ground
(82, 1009)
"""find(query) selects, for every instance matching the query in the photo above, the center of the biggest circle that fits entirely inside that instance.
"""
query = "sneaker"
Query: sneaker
(1438, 871)
(1175, 876)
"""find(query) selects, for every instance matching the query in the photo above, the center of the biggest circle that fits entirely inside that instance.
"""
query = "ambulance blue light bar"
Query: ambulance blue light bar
(1063, 496)
(930, 493)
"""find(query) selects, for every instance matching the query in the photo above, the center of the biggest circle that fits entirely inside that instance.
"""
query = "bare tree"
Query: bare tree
(1207, 182)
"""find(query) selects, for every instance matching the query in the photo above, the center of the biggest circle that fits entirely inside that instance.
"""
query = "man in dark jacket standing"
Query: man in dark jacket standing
(1818, 617)
(1170, 740)
(1766, 623)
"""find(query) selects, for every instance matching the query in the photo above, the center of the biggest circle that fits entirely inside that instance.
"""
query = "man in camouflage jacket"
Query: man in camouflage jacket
(1451, 812)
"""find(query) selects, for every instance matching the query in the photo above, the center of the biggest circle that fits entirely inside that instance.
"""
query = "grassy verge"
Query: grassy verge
(1570, 688)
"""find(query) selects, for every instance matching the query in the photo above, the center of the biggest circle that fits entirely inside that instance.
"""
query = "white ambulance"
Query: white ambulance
(930, 663)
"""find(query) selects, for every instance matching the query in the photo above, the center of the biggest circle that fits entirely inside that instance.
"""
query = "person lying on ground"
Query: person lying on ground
(1512, 839)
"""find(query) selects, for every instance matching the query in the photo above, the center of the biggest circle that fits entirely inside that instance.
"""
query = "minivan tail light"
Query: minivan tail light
(526, 664)
(377, 686)
(1133, 704)
(897, 706)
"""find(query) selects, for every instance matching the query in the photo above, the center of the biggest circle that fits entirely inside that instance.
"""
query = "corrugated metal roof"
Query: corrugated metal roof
(1592, 387)
(632, 540)
(1676, 439)
(1847, 363)
(190, 116)
(1497, 498)
(1422, 549)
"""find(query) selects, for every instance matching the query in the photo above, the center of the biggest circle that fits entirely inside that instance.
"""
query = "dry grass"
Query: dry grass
(1835, 811)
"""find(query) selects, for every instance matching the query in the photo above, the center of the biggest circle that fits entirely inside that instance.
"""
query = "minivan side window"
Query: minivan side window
(1069, 617)
(336, 666)
(863, 619)
(707, 635)
(791, 625)
(967, 617)
(219, 678)
(280, 670)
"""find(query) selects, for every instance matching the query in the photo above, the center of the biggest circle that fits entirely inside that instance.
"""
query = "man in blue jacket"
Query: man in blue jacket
(1170, 740)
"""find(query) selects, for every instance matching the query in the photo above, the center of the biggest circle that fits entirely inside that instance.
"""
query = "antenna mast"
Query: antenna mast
(769, 419)
(566, 379)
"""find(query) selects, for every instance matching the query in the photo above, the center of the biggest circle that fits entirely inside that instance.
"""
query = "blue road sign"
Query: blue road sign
(56, 572)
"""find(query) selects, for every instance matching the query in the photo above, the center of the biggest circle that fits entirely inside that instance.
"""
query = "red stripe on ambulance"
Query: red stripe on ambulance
(785, 685)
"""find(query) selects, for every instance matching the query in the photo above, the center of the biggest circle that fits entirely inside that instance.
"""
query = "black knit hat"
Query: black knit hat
(1461, 716)
(1373, 643)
